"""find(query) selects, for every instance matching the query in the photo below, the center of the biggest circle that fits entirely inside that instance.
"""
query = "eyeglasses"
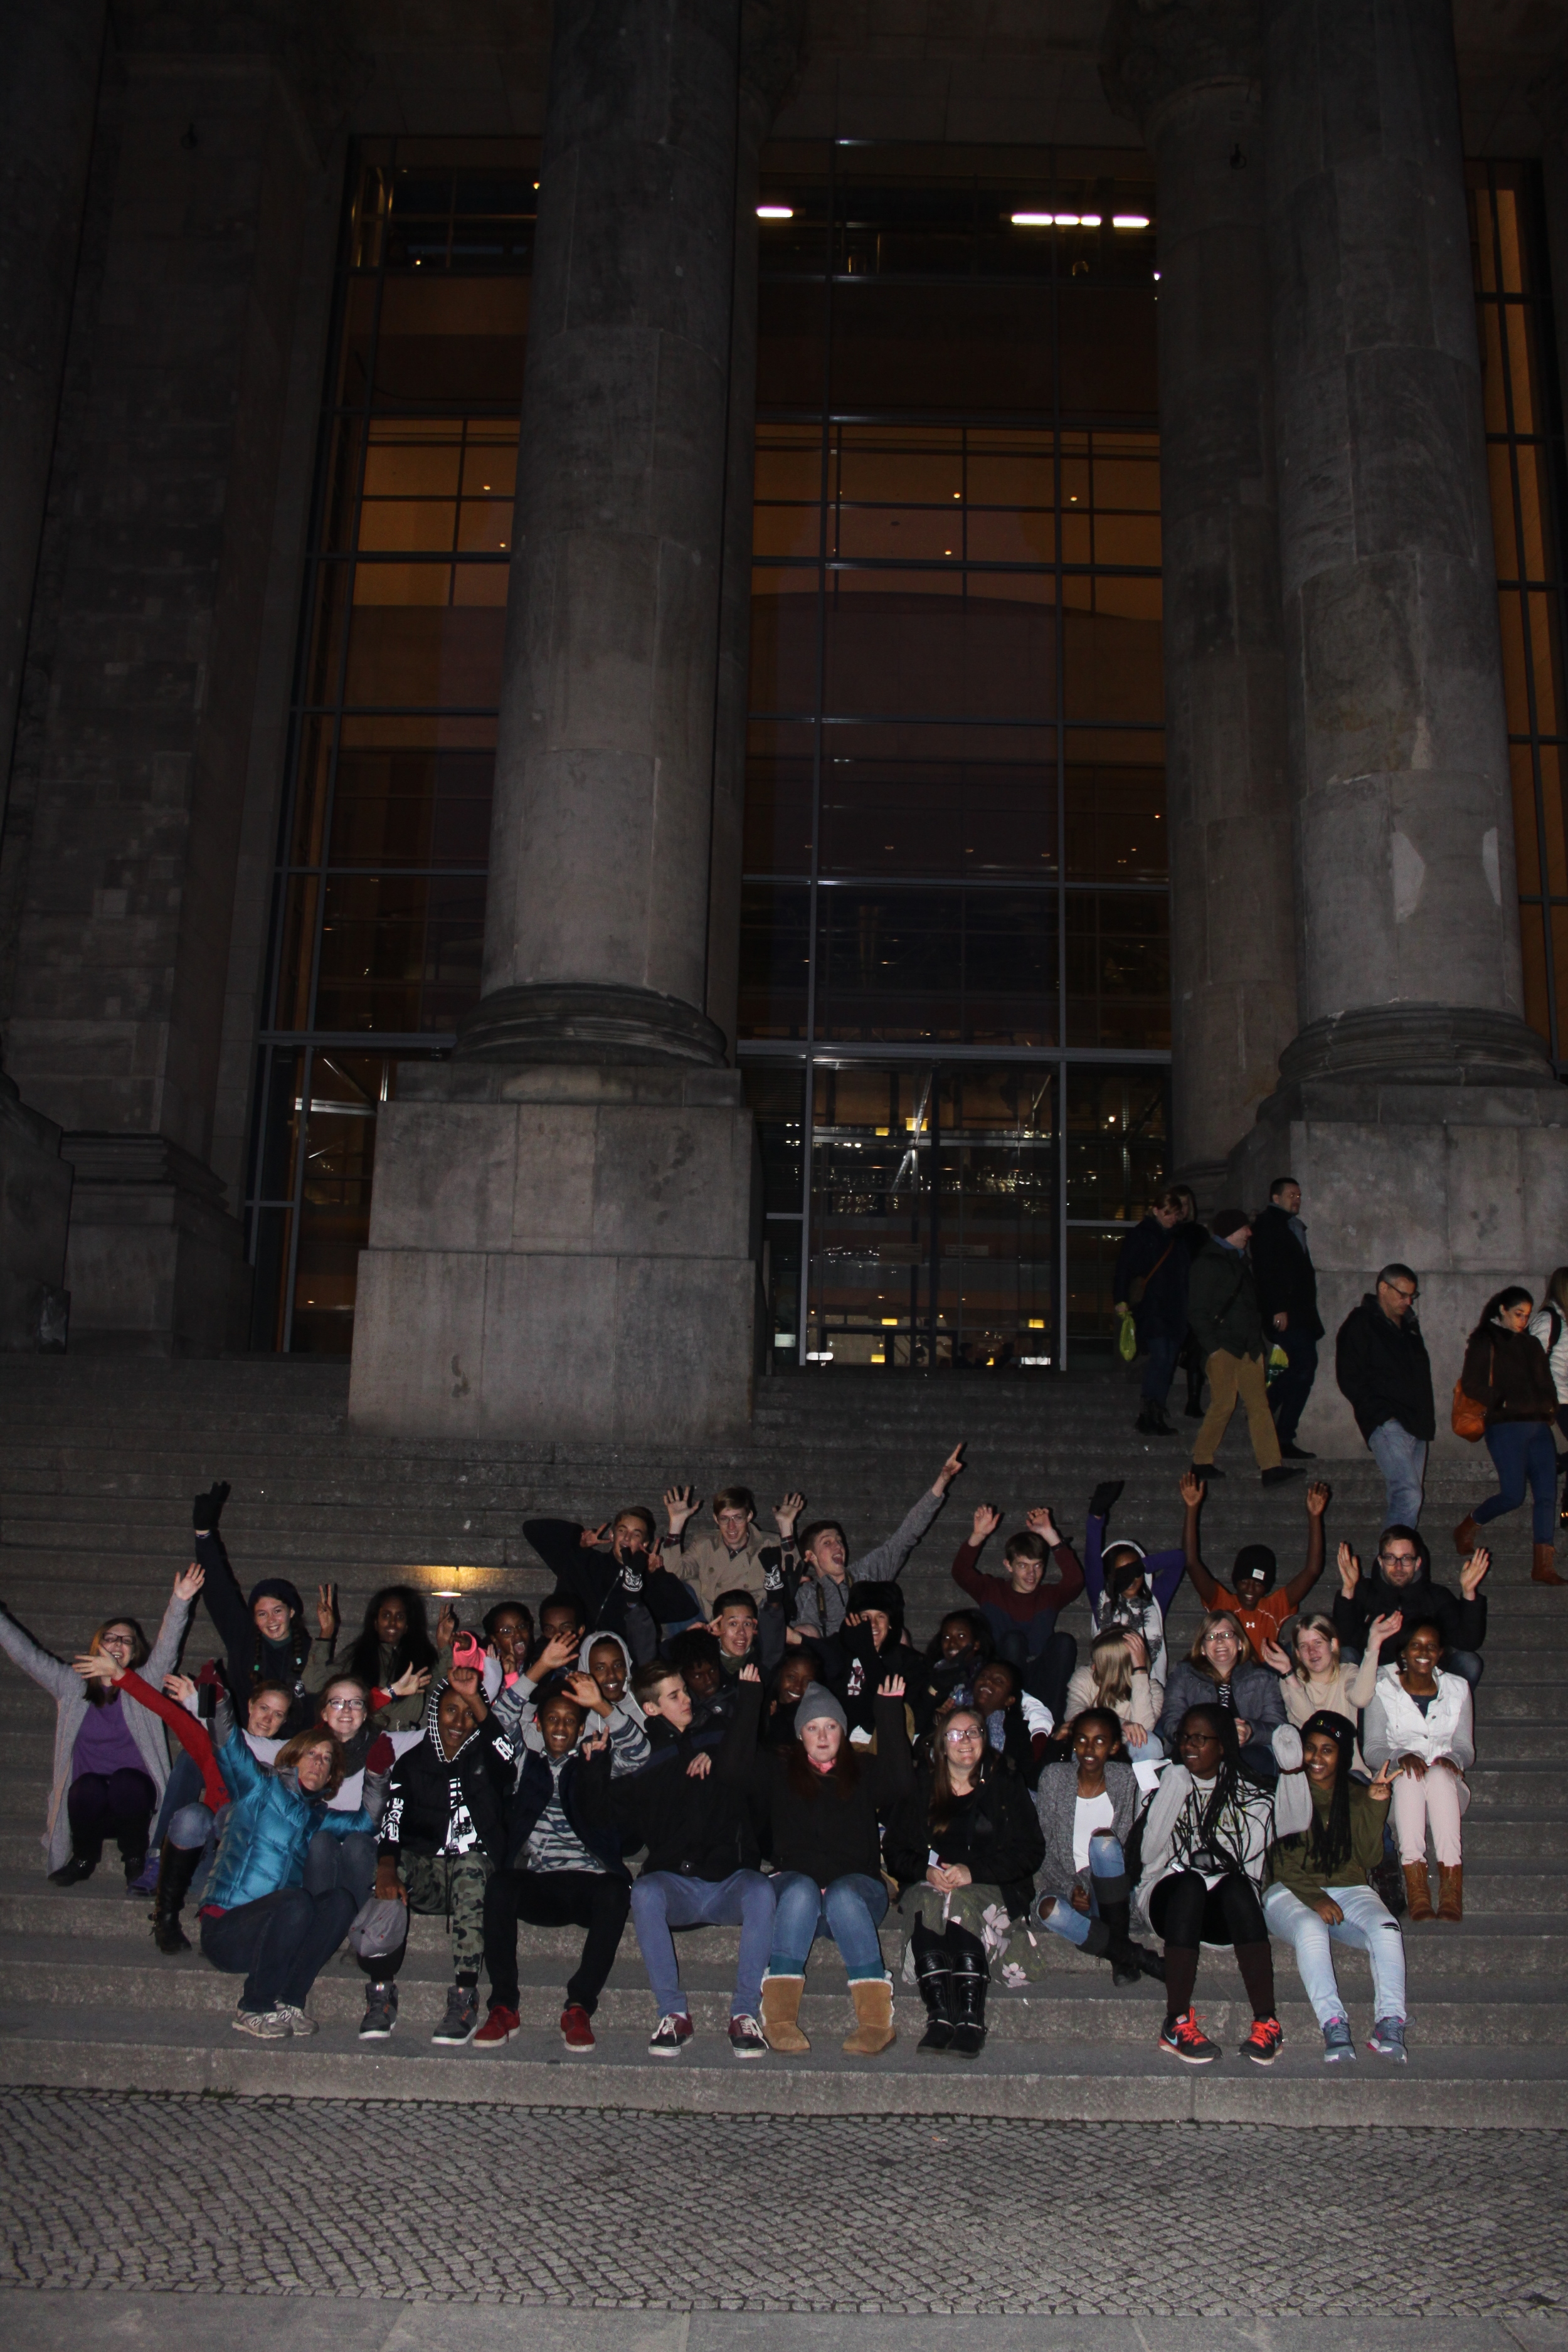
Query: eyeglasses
(961, 1738)
(345, 1706)
(1409, 1297)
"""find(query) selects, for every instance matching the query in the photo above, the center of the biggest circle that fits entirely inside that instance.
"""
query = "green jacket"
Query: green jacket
(1221, 1302)
(1288, 1865)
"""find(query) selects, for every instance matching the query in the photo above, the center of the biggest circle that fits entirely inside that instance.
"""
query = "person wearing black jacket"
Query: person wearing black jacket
(1401, 1582)
(1384, 1376)
(871, 1645)
(1151, 1281)
(1288, 1296)
(617, 1577)
(265, 1637)
(965, 1844)
(442, 1831)
(1505, 1371)
(820, 1799)
(702, 1866)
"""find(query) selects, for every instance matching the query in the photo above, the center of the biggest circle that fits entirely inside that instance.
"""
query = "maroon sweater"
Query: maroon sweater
(1031, 1614)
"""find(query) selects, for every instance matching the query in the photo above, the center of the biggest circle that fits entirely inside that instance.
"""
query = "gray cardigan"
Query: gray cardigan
(69, 1694)
(1055, 1802)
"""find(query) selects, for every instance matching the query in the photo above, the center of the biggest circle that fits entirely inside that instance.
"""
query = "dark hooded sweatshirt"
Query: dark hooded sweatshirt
(1462, 1623)
(249, 1660)
(450, 1805)
(633, 1601)
(694, 1828)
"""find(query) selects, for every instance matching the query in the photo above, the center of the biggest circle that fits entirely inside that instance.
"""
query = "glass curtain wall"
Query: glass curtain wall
(955, 996)
(379, 902)
(1524, 446)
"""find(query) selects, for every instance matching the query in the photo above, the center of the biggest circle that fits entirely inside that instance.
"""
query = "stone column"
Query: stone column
(564, 1228)
(595, 932)
(1417, 1108)
(48, 100)
(1190, 76)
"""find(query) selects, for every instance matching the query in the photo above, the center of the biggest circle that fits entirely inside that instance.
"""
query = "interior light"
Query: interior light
(1156, 277)
(1037, 1322)
(889, 1322)
(776, 212)
(1091, 220)
(1033, 220)
(1128, 220)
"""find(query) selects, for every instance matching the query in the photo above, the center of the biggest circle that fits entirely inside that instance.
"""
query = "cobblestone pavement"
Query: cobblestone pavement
(636, 2212)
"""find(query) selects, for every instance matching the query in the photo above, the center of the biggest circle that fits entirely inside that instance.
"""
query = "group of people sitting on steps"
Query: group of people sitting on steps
(745, 1711)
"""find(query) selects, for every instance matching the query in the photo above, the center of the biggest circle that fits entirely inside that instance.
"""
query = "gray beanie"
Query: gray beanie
(815, 1704)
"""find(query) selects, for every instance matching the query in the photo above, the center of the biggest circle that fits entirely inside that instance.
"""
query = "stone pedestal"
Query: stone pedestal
(560, 1252)
(155, 1265)
(35, 1213)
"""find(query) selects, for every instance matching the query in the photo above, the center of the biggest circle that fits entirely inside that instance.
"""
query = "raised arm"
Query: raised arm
(51, 1673)
(1317, 1495)
(188, 1729)
(966, 1559)
(1204, 1583)
(164, 1654)
(884, 1562)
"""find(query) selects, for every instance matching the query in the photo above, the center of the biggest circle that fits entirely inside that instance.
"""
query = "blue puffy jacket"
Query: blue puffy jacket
(267, 1829)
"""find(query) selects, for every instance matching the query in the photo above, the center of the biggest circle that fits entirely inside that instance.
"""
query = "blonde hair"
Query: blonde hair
(1198, 1656)
(1110, 1662)
(1315, 1624)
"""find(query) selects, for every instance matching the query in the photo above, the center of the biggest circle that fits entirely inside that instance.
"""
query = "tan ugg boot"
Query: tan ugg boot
(1450, 1891)
(873, 1999)
(1418, 1890)
(780, 2008)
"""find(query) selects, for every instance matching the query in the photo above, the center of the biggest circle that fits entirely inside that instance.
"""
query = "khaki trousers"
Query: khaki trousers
(1231, 1376)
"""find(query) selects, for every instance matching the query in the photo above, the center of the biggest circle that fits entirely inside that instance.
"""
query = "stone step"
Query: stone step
(1495, 2086)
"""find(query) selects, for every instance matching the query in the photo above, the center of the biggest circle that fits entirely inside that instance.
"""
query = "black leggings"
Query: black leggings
(110, 1804)
(1187, 1913)
(554, 1898)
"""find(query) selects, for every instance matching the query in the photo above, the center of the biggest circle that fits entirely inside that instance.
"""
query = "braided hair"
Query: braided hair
(1327, 1843)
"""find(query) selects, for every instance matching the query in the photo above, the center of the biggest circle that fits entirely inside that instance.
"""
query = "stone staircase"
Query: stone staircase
(97, 1464)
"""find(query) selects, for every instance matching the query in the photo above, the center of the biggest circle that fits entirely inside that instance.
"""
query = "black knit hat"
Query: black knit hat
(1225, 1222)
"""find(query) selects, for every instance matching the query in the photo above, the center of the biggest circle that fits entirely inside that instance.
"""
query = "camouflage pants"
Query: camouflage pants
(451, 1885)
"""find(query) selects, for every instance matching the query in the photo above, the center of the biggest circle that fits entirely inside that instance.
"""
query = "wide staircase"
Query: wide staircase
(98, 1466)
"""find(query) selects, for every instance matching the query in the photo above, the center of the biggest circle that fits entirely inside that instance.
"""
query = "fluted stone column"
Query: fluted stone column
(565, 1221)
(1190, 75)
(595, 932)
(1415, 1106)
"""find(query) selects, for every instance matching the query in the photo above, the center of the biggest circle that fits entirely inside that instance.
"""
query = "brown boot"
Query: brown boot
(873, 1999)
(1418, 1891)
(1466, 1534)
(1544, 1569)
(1450, 1891)
(781, 2009)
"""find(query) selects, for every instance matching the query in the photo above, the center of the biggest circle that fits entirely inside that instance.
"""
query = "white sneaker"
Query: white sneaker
(299, 2022)
(262, 2024)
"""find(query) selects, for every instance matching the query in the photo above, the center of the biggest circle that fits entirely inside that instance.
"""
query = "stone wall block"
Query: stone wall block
(557, 1148)
(458, 1176)
(424, 1311)
(1485, 1199)
(673, 1183)
(685, 1349)
(552, 1346)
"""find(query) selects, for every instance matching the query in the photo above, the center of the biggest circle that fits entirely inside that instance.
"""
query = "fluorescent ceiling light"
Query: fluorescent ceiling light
(1128, 220)
(1034, 220)
(776, 212)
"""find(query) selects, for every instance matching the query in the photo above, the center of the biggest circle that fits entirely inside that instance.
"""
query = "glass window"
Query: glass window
(380, 902)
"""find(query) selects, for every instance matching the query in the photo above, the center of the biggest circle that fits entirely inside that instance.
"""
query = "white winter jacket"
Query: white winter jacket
(1543, 1323)
(1395, 1726)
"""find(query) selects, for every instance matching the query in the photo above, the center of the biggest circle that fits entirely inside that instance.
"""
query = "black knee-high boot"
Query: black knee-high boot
(971, 1975)
(176, 1868)
(933, 1974)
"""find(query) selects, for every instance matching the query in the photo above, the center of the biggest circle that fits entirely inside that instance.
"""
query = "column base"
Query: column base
(588, 1021)
(1418, 1044)
(562, 1252)
(155, 1264)
(1462, 1178)
(35, 1217)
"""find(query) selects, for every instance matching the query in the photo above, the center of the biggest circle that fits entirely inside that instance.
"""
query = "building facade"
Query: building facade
(688, 686)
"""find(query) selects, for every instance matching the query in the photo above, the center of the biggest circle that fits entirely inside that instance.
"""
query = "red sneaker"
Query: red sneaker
(497, 2029)
(576, 2029)
(1264, 2041)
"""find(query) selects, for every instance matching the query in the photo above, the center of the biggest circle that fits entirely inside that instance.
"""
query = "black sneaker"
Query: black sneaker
(1296, 1453)
(1278, 1475)
(462, 2020)
(72, 1873)
(1187, 2040)
(380, 2012)
(1206, 1470)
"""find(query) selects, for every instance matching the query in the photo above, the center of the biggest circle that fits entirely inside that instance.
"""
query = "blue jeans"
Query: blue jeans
(182, 1789)
(1403, 1462)
(850, 1909)
(1367, 1926)
(1289, 1393)
(662, 1899)
(1524, 1450)
(1160, 1367)
(1106, 1860)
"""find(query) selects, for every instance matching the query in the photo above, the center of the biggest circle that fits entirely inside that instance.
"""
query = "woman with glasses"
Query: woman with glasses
(1505, 1372)
(965, 1848)
(1219, 1670)
(111, 1761)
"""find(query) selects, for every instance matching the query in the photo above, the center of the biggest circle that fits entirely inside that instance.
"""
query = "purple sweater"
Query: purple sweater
(104, 1743)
